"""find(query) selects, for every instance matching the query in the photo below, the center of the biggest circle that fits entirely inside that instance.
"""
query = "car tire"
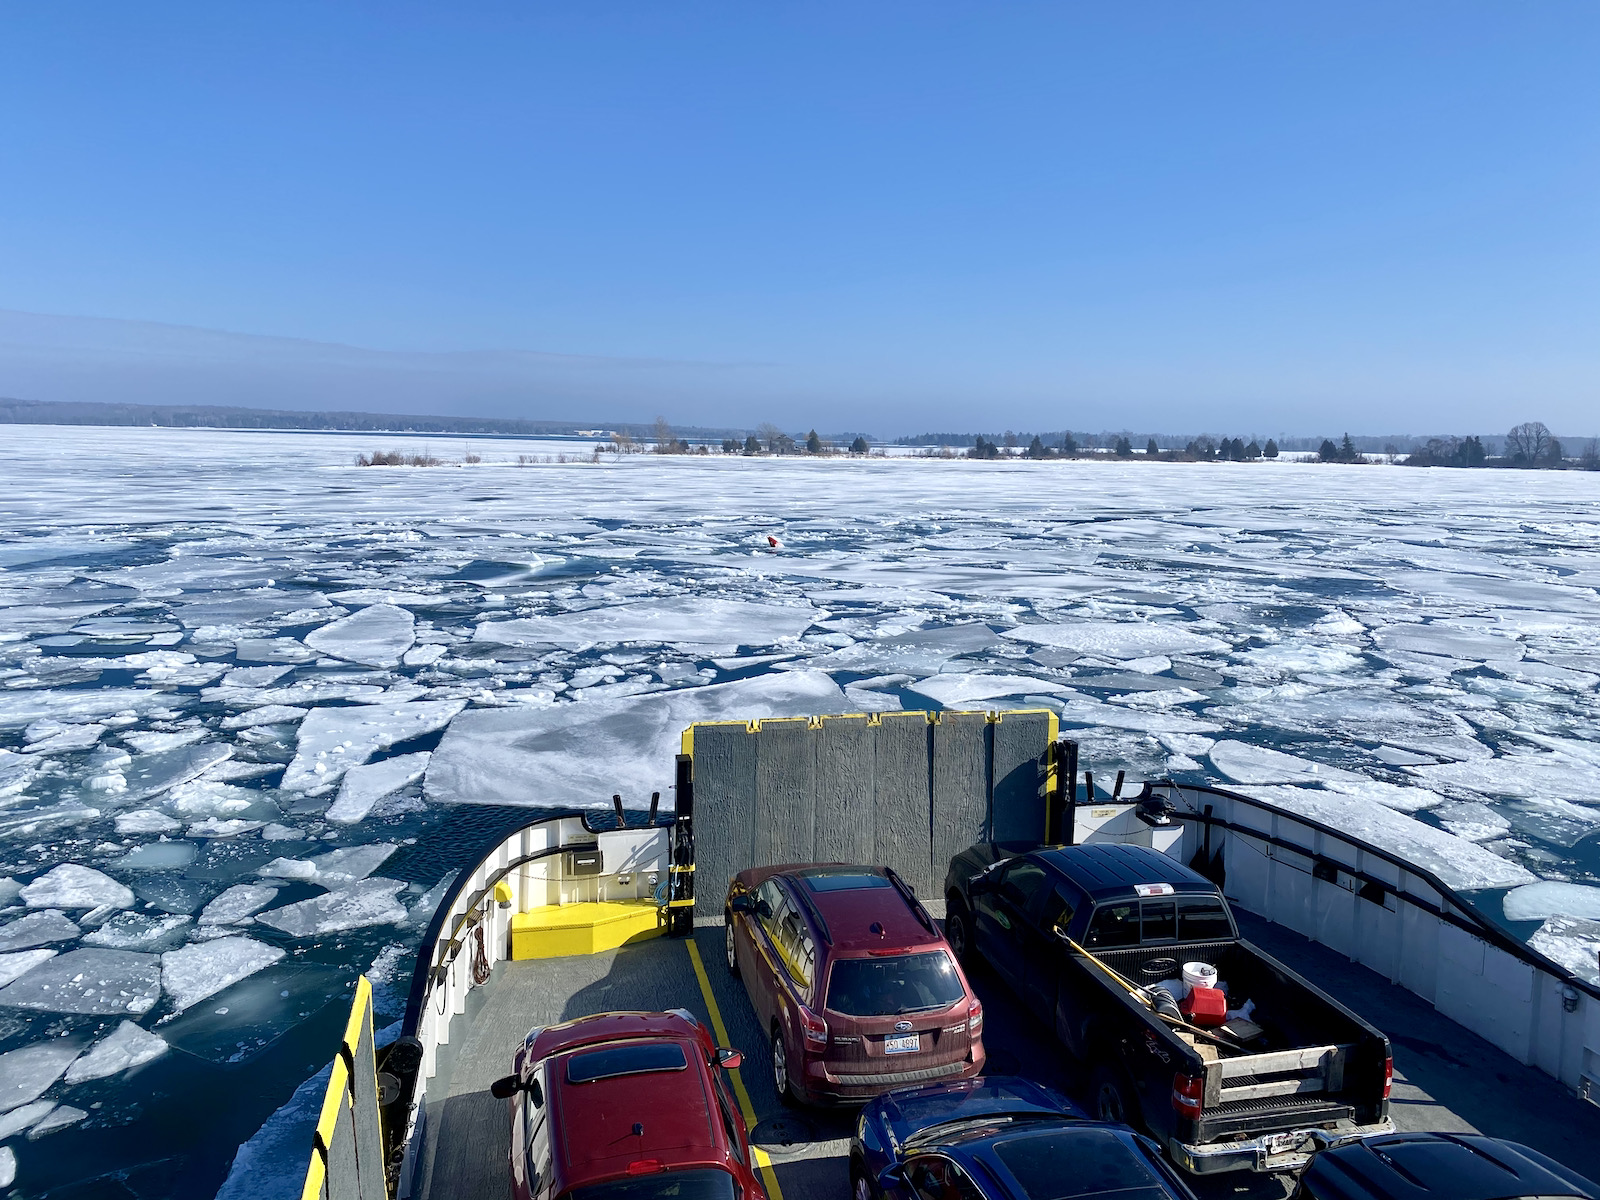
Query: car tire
(958, 932)
(781, 1081)
(861, 1187)
(727, 945)
(1112, 1098)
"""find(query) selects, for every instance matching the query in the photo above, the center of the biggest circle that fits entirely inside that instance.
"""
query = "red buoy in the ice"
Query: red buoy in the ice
(773, 542)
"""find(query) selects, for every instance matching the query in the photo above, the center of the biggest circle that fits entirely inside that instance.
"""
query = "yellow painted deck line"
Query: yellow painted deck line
(768, 1175)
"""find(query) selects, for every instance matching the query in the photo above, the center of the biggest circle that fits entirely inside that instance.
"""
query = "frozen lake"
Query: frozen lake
(246, 688)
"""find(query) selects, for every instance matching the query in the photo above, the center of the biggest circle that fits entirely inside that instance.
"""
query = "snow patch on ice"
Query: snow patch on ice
(73, 886)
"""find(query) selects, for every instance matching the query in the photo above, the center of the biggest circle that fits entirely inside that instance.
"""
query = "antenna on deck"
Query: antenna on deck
(655, 803)
(616, 801)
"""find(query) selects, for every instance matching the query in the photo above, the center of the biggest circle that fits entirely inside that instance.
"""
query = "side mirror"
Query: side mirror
(980, 885)
(742, 903)
(510, 1085)
(729, 1060)
(891, 1176)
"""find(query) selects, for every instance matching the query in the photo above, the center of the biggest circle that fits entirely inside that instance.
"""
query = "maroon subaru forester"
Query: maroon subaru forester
(852, 980)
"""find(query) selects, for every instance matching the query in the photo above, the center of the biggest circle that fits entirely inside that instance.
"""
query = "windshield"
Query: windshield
(884, 987)
(702, 1184)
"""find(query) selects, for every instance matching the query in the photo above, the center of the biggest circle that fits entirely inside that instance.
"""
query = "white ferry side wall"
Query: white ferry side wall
(1417, 933)
(533, 884)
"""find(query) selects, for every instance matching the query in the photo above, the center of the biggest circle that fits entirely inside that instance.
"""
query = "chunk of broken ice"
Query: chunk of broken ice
(1118, 639)
(145, 820)
(26, 1074)
(158, 856)
(71, 885)
(377, 636)
(271, 714)
(196, 972)
(332, 740)
(682, 620)
(364, 786)
(237, 903)
(151, 774)
(18, 1119)
(1474, 821)
(1572, 942)
(62, 1116)
(89, 981)
(37, 929)
(125, 1047)
(353, 906)
(14, 966)
(1244, 763)
(289, 868)
(253, 677)
(351, 862)
(138, 931)
(952, 690)
(1550, 898)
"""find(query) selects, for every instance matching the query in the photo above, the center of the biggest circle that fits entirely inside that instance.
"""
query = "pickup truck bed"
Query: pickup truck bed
(1316, 1074)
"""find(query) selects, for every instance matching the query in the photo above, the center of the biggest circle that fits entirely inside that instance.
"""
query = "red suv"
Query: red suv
(853, 981)
(626, 1106)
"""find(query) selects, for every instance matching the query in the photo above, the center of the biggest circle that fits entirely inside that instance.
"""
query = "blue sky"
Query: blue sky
(896, 217)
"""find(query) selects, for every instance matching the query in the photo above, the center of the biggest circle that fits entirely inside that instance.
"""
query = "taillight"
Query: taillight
(645, 1166)
(975, 1017)
(815, 1028)
(1188, 1094)
(1388, 1075)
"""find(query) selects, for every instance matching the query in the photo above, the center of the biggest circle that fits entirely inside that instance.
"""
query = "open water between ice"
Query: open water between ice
(257, 705)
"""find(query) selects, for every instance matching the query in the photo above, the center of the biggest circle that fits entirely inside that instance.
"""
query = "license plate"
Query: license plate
(902, 1044)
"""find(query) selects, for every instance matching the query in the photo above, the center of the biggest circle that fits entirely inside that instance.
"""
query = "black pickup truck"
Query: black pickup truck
(1304, 1073)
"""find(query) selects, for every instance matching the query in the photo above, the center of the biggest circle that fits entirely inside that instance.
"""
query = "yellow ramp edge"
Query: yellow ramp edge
(587, 927)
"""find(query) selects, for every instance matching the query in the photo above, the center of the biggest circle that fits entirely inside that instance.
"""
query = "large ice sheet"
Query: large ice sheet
(1550, 898)
(1119, 639)
(365, 786)
(37, 929)
(547, 756)
(26, 1074)
(354, 905)
(73, 886)
(1522, 776)
(680, 620)
(238, 903)
(332, 740)
(378, 636)
(195, 972)
(1572, 942)
(15, 966)
(1457, 862)
(124, 1048)
(953, 691)
(89, 981)
(1244, 763)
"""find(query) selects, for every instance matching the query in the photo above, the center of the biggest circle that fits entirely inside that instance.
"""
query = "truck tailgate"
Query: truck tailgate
(1282, 1089)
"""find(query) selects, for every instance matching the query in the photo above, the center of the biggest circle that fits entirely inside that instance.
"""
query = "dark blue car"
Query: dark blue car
(1439, 1166)
(999, 1138)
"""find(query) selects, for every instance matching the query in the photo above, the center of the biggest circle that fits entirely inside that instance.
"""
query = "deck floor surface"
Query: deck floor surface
(1445, 1078)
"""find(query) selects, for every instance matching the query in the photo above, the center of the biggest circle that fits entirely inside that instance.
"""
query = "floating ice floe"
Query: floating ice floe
(1119, 639)
(155, 741)
(1474, 821)
(270, 714)
(217, 827)
(37, 929)
(1458, 863)
(10, 889)
(254, 677)
(89, 981)
(423, 656)
(364, 786)
(158, 856)
(19, 709)
(354, 905)
(1390, 795)
(951, 691)
(71, 885)
(195, 972)
(15, 966)
(145, 820)
(490, 756)
(60, 1117)
(1522, 776)
(1244, 763)
(377, 636)
(1081, 710)
(1474, 646)
(8, 1166)
(26, 1117)
(332, 740)
(139, 931)
(52, 737)
(124, 1048)
(26, 1074)
(151, 774)
(1572, 942)
(1551, 898)
(239, 902)
(681, 620)
(248, 607)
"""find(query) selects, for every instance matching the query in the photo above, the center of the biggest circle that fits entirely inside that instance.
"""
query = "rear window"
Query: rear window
(884, 987)
(704, 1184)
(1102, 1165)
(625, 1060)
(843, 881)
(1115, 925)
(1203, 920)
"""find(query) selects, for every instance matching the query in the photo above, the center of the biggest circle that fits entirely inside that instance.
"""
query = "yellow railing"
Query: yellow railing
(347, 1159)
